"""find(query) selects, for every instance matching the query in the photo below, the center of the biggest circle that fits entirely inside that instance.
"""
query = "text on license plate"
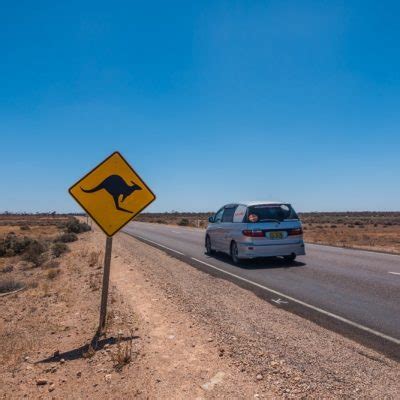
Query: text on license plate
(275, 235)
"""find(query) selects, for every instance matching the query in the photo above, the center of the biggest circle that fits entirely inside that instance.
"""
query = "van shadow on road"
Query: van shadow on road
(260, 263)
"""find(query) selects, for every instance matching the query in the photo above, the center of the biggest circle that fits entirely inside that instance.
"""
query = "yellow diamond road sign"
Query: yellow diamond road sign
(112, 193)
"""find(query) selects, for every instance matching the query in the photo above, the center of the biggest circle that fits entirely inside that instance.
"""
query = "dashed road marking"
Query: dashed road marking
(279, 301)
(394, 273)
(320, 310)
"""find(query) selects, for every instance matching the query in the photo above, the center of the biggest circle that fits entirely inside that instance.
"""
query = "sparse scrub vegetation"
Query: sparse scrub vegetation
(32, 284)
(94, 282)
(184, 222)
(90, 352)
(123, 354)
(34, 253)
(75, 226)
(52, 273)
(94, 257)
(58, 248)
(30, 247)
(13, 245)
(67, 237)
(51, 264)
(46, 289)
(7, 268)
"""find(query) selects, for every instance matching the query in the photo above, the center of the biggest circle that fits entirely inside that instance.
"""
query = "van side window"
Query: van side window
(228, 214)
(218, 215)
(240, 212)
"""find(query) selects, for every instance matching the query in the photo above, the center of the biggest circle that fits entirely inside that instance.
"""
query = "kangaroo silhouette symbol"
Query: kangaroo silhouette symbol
(116, 187)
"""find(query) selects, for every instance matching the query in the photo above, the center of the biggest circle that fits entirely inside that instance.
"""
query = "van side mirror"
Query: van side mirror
(211, 219)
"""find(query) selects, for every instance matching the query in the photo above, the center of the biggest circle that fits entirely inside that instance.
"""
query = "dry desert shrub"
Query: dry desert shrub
(7, 268)
(67, 238)
(34, 253)
(184, 222)
(58, 249)
(94, 282)
(52, 273)
(123, 353)
(13, 245)
(51, 264)
(74, 226)
(14, 344)
(9, 285)
(45, 290)
(94, 258)
(90, 352)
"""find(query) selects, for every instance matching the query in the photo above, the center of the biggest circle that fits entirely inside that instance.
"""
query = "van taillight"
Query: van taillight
(296, 231)
(253, 233)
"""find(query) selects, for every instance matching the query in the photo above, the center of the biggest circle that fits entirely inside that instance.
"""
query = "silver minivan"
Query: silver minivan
(255, 229)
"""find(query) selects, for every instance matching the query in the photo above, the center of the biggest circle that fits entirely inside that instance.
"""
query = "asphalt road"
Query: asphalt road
(350, 291)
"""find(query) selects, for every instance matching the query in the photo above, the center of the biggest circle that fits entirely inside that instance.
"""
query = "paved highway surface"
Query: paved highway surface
(357, 289)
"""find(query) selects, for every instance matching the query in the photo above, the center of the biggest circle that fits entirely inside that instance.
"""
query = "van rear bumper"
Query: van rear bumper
(251, 250)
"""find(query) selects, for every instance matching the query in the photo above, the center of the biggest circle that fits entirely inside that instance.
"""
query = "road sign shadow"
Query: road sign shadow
(260, 263)
(82, 351)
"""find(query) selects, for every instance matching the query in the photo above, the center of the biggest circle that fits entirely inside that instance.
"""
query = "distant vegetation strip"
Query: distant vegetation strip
(355, 218)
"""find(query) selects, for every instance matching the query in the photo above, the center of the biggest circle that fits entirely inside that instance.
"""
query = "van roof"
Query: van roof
(257, 203)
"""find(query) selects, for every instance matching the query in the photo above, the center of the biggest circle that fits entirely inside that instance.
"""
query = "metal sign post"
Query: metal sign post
(106, 280)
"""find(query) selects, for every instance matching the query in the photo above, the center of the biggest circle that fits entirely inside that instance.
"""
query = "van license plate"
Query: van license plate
(276, 235)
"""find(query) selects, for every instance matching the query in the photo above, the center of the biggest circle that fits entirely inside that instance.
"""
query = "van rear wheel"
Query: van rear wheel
(235, 253)
(290, 258)
(209, 249)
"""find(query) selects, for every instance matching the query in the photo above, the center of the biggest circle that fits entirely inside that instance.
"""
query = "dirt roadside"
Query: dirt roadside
(192, 336)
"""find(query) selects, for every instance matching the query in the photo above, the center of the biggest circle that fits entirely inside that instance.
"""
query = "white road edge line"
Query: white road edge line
(394, 273)
(161, 245)
(320, 310)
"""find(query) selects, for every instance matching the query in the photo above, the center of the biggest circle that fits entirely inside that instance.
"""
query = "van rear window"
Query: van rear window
(273, 212)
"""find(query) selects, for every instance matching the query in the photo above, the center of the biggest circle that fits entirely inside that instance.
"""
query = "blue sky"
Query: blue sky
(211, 101)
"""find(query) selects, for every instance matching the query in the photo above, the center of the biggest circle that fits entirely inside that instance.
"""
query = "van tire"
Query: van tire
(234, 252)
(209, 250)
(290, 258)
